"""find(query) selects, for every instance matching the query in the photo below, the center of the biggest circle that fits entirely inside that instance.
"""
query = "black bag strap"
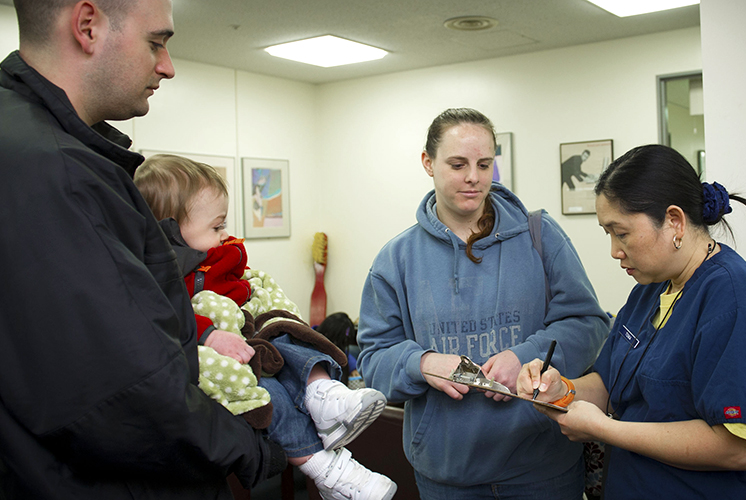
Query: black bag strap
(534, 228)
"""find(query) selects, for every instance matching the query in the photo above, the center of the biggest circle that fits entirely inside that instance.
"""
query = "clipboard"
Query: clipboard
(470, 374)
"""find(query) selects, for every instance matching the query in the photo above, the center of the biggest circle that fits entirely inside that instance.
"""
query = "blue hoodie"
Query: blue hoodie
(423, 294)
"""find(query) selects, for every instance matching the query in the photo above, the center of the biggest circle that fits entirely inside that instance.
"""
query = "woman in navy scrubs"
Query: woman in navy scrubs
(673, 371)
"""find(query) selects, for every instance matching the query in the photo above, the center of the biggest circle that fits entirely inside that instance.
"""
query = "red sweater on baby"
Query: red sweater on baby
(221, 272)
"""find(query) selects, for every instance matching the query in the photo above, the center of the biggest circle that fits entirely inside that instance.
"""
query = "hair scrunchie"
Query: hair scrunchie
(716, 202)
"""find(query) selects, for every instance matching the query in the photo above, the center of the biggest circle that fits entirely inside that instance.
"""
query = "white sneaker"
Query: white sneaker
(340, 413)
(346, 479)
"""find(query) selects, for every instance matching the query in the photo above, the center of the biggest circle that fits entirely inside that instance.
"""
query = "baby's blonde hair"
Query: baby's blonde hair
(169, 184)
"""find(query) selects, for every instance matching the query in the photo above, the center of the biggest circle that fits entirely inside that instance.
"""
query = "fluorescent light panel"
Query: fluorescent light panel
(625, 8)
(326, 51)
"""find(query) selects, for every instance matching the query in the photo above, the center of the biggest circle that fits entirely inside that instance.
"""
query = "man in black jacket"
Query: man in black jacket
(98, 361)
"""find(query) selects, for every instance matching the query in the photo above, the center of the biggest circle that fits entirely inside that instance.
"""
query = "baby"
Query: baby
(313, 416)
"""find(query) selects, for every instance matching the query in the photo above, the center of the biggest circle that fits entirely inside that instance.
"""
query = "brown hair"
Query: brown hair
(485, 224)
(36, 18)
(450, 118)
(169, 183)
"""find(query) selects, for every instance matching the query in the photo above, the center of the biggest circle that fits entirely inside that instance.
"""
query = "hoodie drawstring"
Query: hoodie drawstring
(455, 243)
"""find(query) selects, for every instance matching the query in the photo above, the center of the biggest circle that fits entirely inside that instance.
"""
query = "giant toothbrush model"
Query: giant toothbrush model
(318, 296)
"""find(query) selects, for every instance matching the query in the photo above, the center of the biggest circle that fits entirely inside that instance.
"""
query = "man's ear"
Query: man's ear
(427, 162)
(86, 23)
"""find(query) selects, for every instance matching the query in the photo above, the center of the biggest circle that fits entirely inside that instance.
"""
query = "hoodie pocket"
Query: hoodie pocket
(430, 404)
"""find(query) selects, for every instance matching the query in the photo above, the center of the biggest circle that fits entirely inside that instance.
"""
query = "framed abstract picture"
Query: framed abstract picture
(503, 171)
(581, 163)
(266, 198)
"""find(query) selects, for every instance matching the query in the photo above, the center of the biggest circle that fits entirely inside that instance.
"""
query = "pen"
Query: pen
(547, 360)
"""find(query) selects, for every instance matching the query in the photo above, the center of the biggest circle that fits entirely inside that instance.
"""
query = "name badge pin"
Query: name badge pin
(629, 336)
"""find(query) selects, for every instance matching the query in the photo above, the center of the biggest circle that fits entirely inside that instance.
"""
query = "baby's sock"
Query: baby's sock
(317, 464)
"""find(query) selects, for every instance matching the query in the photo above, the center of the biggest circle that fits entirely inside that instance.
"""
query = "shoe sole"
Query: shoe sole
(390, 492)
(370, 409)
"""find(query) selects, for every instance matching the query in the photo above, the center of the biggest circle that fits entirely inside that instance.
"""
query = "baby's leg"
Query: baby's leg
(311, 378)
(294, 431)
(318, 372)
(338, 475)
(340, 413)
(332, 471)
(303, 365)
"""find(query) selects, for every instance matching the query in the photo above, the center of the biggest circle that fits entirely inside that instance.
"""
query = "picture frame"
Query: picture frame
(503, 166)
(266, 198)
(581, 164)
(226, 167)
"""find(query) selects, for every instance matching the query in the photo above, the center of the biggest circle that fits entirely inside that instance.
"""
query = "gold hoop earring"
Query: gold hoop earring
(677, 247)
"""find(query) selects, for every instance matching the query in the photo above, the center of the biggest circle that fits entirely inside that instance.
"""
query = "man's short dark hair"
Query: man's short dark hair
(36, 18)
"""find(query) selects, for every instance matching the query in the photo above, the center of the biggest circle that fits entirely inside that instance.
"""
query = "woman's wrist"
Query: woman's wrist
(569, 395)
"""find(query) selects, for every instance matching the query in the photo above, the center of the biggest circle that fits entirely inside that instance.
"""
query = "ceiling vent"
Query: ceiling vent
(470, 23)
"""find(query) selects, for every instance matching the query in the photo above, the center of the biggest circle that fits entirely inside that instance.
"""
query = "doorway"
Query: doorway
(681, 117)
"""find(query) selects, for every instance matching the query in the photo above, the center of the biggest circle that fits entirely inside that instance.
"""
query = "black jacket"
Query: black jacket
(98, 360)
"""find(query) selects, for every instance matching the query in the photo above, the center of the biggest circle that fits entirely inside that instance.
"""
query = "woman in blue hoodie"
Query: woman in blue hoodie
(466, 280)
(672, 370)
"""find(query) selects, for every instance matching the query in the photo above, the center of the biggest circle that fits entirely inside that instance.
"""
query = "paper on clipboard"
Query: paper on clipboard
(468, 373)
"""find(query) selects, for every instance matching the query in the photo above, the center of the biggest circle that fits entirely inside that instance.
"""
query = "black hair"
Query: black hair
(648, 179)
(341, 330)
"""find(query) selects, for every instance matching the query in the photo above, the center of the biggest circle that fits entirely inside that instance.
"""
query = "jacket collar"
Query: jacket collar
(102, 138)
(188, 258)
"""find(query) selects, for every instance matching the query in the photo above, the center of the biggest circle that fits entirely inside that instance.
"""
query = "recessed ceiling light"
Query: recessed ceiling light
(326, 51)
(470, 23)
(625, 8)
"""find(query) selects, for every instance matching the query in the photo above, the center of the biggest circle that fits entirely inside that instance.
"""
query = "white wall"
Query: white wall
(8, 30)
(218, 111)
(278, 119)
(354, 146)
(724, 81)
(210, 110)
(374, 130)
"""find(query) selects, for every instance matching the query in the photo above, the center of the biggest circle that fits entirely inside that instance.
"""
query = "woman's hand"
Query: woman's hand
(443, 365)
(503, 367)
(550, 385)
(583, 421)
(231, 345)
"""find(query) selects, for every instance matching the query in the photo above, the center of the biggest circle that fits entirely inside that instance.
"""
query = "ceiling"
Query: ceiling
(233, 33)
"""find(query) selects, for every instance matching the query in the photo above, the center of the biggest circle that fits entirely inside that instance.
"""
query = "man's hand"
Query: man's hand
(231, 345)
